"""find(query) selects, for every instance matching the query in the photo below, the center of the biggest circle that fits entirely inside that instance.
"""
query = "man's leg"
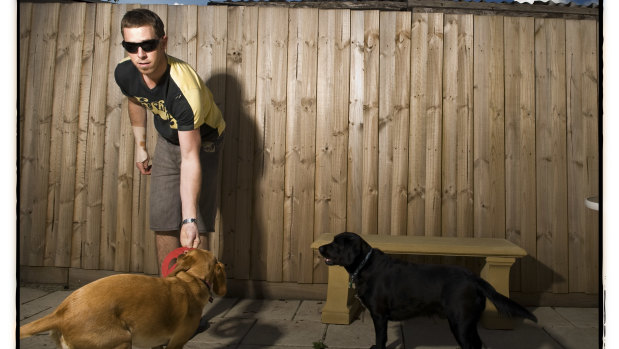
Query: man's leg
(167, 241)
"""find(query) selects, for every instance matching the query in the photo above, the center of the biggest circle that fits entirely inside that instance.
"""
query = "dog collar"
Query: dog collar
(210, 292)
(353, 276)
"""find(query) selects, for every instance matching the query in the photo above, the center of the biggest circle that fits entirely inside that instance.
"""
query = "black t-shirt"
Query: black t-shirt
(180, 101)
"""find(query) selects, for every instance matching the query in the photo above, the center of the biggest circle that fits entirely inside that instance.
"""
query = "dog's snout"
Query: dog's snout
(321, 249)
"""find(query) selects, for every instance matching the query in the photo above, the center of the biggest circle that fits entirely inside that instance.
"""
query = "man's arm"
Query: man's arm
(191, 176)
(137, 117)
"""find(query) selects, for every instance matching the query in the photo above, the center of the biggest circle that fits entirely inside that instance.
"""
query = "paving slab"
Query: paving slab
(223, 332)
(264, 309)
(526, 335)
(361, 335)
(575, 338)
(295, 333)
(580, 317)
(219, 308)
(37, 342)
(38, 306)
(428, 332)
(27, 294)
(547, 316)
(310, 311)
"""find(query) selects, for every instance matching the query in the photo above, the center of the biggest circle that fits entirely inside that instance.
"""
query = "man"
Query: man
(190, 134)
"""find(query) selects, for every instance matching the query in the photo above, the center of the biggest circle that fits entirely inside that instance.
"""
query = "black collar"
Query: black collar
(353, 276)
(208, 286)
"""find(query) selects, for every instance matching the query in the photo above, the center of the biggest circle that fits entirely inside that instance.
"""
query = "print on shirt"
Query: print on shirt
(158, 108)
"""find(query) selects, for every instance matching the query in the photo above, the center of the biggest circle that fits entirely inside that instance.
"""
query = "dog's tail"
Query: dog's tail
(45, 323)
(503, 304)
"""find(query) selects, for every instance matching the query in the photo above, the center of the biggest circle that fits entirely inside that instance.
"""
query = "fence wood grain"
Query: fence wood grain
(96, 140)
(65, 118)
(581, 132)
(489, 144)
(300, 146)
(372, 121)
(457, 159)
(332, 132)
(36, 132)
(80, 195)
(393, 122)
(25, 24)
(271, 122)
(520, 143)
(424, 217)
(551, 154)
(362, 196)
(241, 69)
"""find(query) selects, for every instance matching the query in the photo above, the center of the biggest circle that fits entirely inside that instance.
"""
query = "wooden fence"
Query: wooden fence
(371, 121)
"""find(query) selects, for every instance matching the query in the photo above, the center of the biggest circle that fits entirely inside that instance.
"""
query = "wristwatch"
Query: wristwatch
(189, 220)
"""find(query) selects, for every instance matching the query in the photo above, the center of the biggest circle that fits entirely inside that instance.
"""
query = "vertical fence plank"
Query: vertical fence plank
(241, 105)
(550, 105)
(96, 139)
(271, 122)
(489, 145)
(592, 123)
(111, 152)
(362, 196)
(300, 146)
(181, 33)
(424, 209)
(65, 116)
(211, 67)
(332, 132)
(581, 78)
(124, 243)
(81, 174)
(394, 99)
(36, 132)
(520, 205)
(25, 26)
(457, 163)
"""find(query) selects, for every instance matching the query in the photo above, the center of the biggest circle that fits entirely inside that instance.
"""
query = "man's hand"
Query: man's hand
(144, 166)
(189, 235)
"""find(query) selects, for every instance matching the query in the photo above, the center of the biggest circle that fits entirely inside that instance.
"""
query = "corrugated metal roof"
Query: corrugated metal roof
(582, 3)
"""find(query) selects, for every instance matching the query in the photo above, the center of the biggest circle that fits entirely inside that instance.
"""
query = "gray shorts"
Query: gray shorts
(165, 198)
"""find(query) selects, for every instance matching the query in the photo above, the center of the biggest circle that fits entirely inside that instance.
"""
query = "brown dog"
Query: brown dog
(124, 310)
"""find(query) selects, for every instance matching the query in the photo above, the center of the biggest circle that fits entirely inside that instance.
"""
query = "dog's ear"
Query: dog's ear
(183, 263)
(219, 281)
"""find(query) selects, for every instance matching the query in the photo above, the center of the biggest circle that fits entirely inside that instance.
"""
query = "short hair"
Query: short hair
(142, 17)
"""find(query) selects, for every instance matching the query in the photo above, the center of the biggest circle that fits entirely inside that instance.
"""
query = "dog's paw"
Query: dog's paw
(373, 347)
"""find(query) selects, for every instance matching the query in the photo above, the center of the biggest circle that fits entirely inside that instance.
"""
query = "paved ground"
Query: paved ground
(246, 323)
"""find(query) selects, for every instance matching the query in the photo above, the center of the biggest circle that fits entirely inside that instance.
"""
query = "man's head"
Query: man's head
(145, 40)
(142, 17)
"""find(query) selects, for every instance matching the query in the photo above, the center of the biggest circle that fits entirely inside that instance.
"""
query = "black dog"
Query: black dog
(396, 290)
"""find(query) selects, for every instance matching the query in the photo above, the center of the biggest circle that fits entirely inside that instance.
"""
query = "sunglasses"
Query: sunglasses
(147, 46)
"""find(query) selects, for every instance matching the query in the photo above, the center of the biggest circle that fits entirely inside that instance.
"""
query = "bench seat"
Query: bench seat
(342, 307)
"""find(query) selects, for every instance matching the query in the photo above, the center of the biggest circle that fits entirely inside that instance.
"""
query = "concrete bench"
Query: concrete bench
(342, 307)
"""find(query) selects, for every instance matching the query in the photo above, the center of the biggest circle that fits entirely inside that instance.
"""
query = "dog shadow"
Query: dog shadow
(434, 332)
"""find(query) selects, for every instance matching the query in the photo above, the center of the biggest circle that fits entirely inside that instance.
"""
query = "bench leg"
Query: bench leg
(496, 272)
(341, 306)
